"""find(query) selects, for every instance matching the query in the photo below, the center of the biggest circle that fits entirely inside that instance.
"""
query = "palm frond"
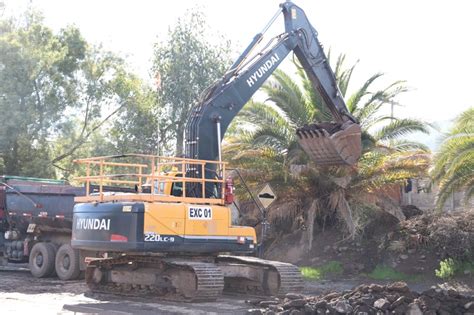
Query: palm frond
(287, 95)
(401, 127)
(353, 101)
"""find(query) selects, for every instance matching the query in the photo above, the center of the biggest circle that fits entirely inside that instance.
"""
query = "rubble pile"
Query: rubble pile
(448, 234)
(395, 298)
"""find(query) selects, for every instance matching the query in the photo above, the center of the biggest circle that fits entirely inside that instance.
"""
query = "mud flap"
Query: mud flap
(331, 144)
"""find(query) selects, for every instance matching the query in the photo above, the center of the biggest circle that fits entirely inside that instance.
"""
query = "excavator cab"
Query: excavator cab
(331, 144)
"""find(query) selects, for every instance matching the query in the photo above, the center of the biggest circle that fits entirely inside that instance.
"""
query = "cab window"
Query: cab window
(159, 187)
(177, 187)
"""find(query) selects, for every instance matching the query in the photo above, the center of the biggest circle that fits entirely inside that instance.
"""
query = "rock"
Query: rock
(426, 303)
(367, 299)
(391, 297)
(294, 296)
(343, 307)
(296, 312)
(411, 251)
(414, 309)
(332, 295)
(467, 272)
(376, 288)
(321, 304)
(327, 248)
(275, 308)
(382, 304)
(267, 303)
(400, 301)
(400, 309)
(309, 308)
(255, 311)
(399, 286)
(422, 257)
(404, 257)
(294, 303)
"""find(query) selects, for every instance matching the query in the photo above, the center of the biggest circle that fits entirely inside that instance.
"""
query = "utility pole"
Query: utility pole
(392, 105)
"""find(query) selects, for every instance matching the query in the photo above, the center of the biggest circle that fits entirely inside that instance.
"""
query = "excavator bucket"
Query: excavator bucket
(331, 144)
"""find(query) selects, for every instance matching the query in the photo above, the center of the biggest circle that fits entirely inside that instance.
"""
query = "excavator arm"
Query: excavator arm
(329, 143)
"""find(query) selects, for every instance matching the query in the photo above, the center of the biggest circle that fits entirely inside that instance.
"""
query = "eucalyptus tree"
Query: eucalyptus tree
(57, 93)
(185, 64)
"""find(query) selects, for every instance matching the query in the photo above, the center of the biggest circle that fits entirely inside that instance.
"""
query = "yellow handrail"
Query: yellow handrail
(162, 169)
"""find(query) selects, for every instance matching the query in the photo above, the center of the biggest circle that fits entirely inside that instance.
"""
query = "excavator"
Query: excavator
(171, 236)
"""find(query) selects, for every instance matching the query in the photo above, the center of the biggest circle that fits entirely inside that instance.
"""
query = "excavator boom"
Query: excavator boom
(337, 143)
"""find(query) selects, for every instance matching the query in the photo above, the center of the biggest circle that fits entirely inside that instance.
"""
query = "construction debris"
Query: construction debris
(395, 298)
(447, 234)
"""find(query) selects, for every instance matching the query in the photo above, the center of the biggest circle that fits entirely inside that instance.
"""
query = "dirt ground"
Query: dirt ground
(20, 293)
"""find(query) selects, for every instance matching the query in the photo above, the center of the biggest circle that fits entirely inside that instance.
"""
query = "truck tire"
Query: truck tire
(41, 261)
(67, 263)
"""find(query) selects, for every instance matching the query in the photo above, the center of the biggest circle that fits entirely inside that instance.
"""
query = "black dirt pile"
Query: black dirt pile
(447, 234)
(395, 298)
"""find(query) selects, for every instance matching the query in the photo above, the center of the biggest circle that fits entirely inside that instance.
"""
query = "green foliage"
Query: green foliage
(58, 95)
(449, 268)
(36, 85)
(184, 66)
(320, 272)
(382, 272)
(454, 162)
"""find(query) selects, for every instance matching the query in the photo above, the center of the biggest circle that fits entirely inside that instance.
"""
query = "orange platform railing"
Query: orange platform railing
(137, 172)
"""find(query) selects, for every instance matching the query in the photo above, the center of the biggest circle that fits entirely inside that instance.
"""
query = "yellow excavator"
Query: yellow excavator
(170, 235)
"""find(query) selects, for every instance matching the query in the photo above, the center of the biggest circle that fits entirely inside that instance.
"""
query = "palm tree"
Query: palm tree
(454, 162)
(269, 128)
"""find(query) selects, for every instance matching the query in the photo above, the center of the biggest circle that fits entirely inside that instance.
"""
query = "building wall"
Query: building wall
(424, 197)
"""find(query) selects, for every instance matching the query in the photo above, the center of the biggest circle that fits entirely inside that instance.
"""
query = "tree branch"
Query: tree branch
(83, 139)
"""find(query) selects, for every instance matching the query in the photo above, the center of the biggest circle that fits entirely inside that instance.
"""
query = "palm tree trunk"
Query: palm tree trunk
(338, 201)
(307, 239)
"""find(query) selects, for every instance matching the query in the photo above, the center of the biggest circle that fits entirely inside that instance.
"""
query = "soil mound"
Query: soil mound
(448, 234)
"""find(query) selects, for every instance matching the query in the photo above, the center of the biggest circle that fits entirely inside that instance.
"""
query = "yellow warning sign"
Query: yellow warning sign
(266, 196)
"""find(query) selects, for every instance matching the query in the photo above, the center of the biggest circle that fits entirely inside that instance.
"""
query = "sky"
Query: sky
(427, 43)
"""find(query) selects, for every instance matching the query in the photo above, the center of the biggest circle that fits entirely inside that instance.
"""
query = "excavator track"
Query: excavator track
(181, 280)
(262, 277)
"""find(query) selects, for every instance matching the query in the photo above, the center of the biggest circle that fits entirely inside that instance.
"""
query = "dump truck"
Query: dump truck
(36, 225)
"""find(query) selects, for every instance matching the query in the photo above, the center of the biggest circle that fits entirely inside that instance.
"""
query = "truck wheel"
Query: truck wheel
(41, 261)
(67, 263)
